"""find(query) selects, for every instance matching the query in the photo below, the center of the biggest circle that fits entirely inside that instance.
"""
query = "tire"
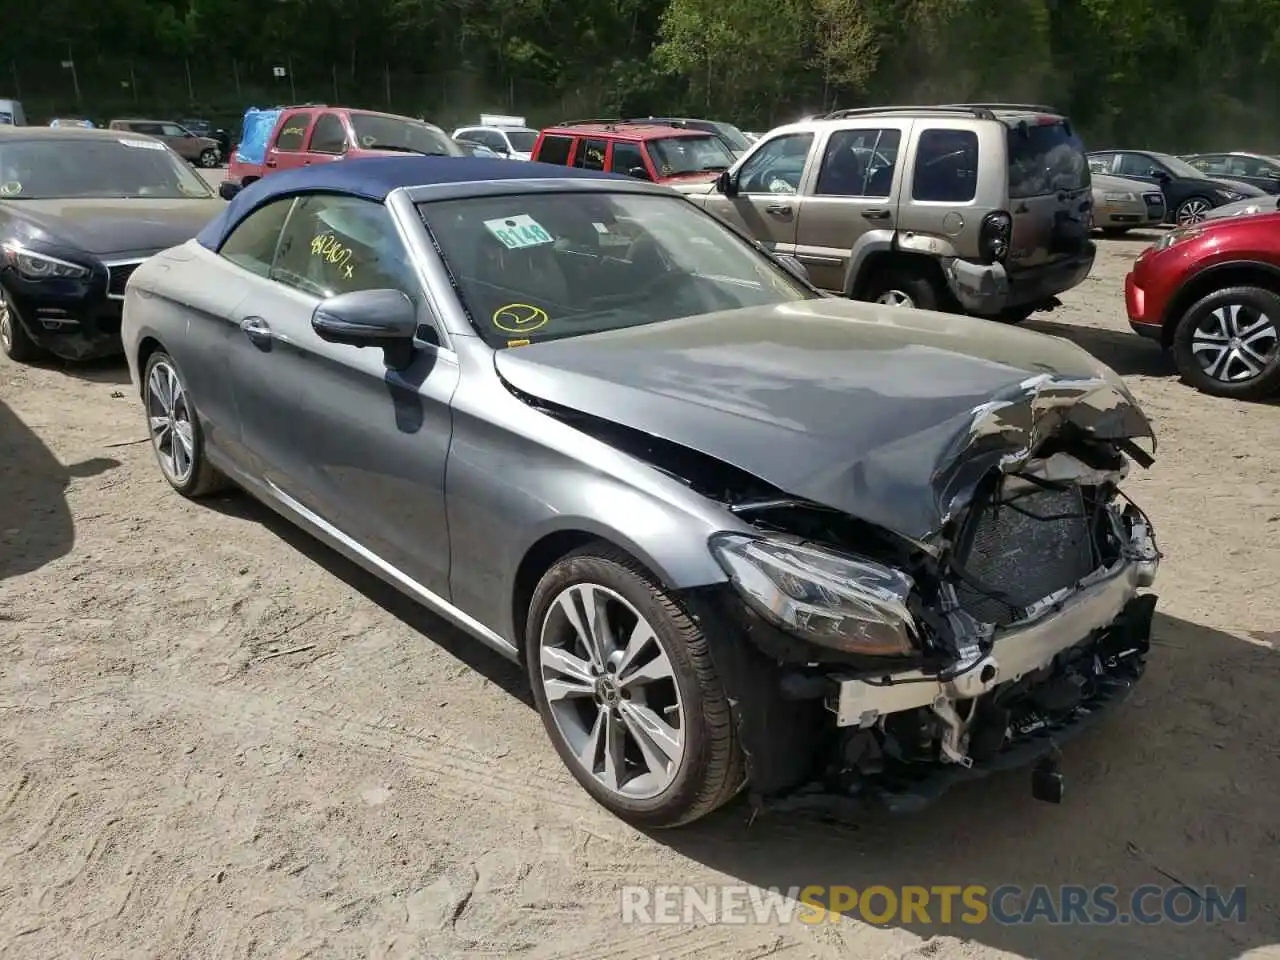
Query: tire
(187, 470)
(14, 339)
(707, 769)
(1248, 315)
(1191, 210)
(904, 288)
(1016, 315)
(209, 158)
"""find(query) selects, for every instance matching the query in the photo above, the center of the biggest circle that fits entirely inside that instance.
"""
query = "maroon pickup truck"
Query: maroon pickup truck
(316, 133)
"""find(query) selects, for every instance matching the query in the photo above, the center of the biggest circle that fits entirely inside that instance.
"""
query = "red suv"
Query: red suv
(635, 149)
(315, 133)
(1210, 293)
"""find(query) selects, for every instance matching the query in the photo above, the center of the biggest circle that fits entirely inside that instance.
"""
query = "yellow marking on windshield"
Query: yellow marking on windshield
(520, 318)
(328, 247)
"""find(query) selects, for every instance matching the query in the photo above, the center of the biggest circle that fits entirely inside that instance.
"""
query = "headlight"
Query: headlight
(832, 600)
(1177, 236)
(1119, 197)
(1230, 195)
(40, 266)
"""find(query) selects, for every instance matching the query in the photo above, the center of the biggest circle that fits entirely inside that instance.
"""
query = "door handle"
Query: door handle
(270, 162)
(876, 214)
(257, 330)
(778, 209)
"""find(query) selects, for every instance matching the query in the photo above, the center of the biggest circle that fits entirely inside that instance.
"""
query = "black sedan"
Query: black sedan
(1189, 194)
(1254, 168)
(80, 209)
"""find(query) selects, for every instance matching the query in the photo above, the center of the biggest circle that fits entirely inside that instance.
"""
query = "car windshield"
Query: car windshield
(1179, 167)
(522, 141)
(376, 131)
(124, 167)
(680, 156)
(736, 139)
(534, 267)
(1045, 158)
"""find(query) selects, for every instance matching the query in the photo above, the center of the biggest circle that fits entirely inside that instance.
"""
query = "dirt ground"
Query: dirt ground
(382, 787)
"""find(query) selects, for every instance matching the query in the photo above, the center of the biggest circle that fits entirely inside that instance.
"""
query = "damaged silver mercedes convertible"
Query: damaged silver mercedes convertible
(743, 535)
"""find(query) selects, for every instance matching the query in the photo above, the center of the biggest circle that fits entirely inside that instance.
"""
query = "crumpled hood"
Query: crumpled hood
(891, 415)
(104, 227)
(1238, 186)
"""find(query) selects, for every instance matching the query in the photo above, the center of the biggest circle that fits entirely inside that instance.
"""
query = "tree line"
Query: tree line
(1171, 74)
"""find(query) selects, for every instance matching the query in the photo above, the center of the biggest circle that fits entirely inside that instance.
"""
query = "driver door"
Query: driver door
(767, 204)
(332, 428)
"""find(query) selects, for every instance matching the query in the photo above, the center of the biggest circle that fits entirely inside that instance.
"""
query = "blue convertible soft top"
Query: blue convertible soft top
(372, 178)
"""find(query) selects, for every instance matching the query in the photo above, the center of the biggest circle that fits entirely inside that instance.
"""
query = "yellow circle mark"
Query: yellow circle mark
(520, 318)
(10, 189)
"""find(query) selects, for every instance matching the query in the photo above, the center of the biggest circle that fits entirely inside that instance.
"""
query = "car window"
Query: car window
(555, 150)
(329, 135)
(522, 141)
(1135, 165)
(1264, 169)
(679, 156)
(115, 167)
(1100, 163)
(946, 166)
(150, 129)
(859, 163)
(1237, 166)
(492, 139)
(335, 245)
(292, 131)
(252, 244)
(550, 265)
(172, 130)
(376, 131)
(626, 157)
(777, 166)
(1044, 158)
(590, 154)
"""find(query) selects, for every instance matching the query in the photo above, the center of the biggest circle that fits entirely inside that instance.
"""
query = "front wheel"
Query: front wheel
(175, 431)
(627, 691)
(209, 158)
(14, 339)
(1228, 344)
(1192, 210)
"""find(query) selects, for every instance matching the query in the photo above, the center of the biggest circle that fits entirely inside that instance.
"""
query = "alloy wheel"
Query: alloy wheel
(1192, 211)
(1235, 342)
(895, 298)
(6, 324)
(169, 417)
(611, 691)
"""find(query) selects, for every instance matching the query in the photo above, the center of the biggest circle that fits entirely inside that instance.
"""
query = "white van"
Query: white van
(11, 114)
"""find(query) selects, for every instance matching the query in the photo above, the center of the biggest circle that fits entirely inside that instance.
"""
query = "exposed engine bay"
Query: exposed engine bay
(882, 667)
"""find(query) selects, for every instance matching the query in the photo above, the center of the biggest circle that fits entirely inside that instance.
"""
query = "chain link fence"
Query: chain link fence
(101, 88)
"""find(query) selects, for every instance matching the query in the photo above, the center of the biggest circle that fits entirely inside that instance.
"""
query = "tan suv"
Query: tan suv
(977, 208)
(199, 150)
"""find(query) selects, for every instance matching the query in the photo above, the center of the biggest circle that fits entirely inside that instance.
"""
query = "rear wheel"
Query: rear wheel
(627, 692)
(900, 287)
(209, 158)
(175, 431)
(1228, 344)
(14, 339)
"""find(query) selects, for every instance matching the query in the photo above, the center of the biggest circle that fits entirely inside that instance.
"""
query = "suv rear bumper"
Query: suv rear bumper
(987, 289)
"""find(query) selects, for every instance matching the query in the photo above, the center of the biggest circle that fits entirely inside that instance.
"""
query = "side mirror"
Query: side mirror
(1160, 175)
(640, 173)
(793, 266)
(727, 184)
(370, 318)
(227, 190)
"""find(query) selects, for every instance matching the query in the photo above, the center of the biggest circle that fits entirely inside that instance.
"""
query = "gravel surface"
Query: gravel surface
(219, 739)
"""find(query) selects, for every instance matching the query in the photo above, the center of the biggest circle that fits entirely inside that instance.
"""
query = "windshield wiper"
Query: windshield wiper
(716, 166)
(397, 148)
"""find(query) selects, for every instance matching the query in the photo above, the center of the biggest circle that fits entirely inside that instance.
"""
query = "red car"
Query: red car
(647, 151)
(315, 133)
(1210, 294)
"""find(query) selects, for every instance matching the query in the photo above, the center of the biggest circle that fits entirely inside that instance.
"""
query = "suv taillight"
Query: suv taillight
(994, 236)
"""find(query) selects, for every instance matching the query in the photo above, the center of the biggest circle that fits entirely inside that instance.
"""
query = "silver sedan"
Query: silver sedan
(741, 534)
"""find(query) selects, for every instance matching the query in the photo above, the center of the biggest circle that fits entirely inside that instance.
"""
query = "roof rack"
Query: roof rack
(1030, 107)
(583, 123)
(972, 109)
